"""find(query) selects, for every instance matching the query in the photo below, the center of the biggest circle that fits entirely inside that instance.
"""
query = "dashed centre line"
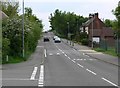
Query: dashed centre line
(73, 60)
(91, 71)
(45, 52)
(109, 82)
(80, 65)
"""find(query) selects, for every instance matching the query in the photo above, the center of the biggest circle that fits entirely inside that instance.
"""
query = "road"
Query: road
(57, 64)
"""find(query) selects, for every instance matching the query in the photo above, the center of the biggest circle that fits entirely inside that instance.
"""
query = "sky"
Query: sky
(43, 8)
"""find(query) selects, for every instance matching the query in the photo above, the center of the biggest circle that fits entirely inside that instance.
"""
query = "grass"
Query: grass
(110, 51)
(16, 59)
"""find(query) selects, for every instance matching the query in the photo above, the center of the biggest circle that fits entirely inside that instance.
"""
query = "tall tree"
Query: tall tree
(116, 12)
(66, 22)
(10, 8)
(108, 23)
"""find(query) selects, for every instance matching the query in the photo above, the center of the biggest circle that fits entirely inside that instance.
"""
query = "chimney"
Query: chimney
(90, 16)
(96, 15)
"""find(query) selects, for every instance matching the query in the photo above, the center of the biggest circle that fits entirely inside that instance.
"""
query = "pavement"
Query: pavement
(92, 53)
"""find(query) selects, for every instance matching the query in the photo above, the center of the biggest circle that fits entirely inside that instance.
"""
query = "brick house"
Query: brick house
(97, 31)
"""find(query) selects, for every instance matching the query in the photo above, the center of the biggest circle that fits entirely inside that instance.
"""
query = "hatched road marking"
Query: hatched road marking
(41, 77)
(34, 73)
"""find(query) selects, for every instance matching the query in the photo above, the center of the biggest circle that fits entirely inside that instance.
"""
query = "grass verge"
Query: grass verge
(110, 51)
(16, 59)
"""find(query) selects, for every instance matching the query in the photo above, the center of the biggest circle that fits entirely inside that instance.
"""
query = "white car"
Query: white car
(55, 37)
(57, 40)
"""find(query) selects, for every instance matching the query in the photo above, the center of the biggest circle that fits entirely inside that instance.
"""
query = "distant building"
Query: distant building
(3, 15)
(97, 31)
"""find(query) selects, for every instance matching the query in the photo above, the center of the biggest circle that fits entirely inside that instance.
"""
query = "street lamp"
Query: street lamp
(68, 32)
(23, 51)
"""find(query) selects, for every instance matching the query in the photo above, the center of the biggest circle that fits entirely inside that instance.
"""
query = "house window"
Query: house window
(86, 30)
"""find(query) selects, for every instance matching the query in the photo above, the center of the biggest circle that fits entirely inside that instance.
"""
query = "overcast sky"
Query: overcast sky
(43, 8)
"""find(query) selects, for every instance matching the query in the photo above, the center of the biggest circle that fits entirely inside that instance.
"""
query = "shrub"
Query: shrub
(84, 41)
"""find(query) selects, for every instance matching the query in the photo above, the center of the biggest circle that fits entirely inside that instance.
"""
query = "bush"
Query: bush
(84, 41)
(5, 49)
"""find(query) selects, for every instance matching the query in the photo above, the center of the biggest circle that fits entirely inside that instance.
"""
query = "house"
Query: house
(97, 31)
(3, 15)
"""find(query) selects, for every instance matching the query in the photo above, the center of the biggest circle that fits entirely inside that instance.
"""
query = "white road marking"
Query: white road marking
(50, 54)
(41, 77)
(109, 82)
(45, 53)
(62, 52)
(69, 58)
(73, 61)
(34, 73)
(65, 55)
(91, 71)
(92, 59)
(58, 53)
(87, 55)
(80, 65)
(59, 49)
(83, 53)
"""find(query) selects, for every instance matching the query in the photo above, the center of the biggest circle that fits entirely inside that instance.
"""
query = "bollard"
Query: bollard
(73, 44)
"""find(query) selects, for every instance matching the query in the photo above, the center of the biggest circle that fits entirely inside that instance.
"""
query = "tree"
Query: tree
(116, 12)
(10, 8)
(12, 33)
(108, 23)
(58, 21)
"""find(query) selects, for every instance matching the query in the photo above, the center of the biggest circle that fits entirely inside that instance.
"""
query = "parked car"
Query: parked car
(57, 40)
(46, 39)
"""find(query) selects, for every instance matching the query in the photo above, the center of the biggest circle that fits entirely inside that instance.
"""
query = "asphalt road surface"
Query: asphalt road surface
(57, 64)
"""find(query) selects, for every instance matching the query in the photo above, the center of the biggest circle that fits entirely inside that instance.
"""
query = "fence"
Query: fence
(113, 45)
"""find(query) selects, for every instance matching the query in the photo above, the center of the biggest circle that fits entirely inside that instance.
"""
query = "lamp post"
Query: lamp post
(92, 30)
(68, 32)
(23, 51)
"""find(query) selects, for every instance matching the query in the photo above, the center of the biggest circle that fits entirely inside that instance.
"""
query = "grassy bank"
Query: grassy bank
(110, 51)
(15, 59)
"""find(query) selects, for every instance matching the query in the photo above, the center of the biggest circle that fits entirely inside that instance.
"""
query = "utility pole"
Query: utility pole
(92, 30)
(23, 51)
(118, 30)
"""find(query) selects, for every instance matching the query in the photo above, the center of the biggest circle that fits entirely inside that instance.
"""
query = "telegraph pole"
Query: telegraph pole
(23, 50)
